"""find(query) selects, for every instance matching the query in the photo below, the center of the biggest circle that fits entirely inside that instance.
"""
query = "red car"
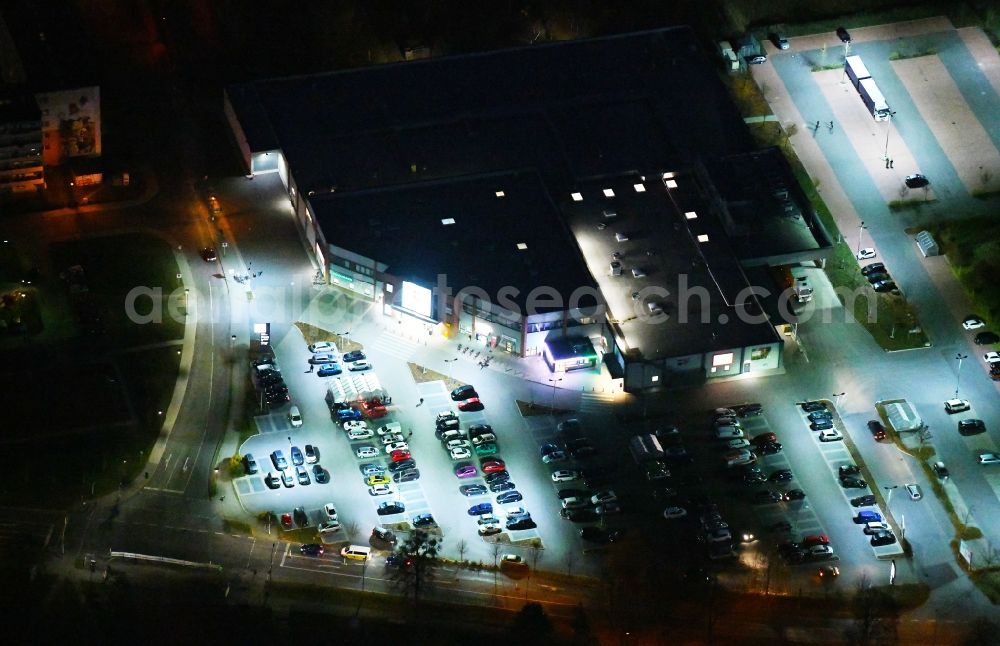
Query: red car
(399, 456)
(471, 404)
(286, 521)
(815, 539)
(493, 466)
(765, 438)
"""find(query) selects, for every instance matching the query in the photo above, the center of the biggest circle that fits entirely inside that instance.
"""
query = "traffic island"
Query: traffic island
(313, 334)
(422, 375)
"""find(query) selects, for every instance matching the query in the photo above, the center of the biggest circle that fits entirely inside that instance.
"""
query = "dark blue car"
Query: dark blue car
(509, 497)
(346, 414)
(353, 355)
(329, 370)
(480, 509)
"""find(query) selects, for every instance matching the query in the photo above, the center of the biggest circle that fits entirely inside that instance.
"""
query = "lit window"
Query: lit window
(639, 188)
(655, 378)
(691, 215)
(447, 221)
(388, 287)
(577, 197)
(722, 360)
(521, 246)
(500, 194)
(702, 237)
(670, 183)
(609, 192)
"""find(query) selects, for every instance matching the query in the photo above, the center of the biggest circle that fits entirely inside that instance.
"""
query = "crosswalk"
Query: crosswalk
(596, 402)
(392, 345)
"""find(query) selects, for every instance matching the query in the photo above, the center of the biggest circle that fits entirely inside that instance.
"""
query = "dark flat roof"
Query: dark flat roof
(579, 108)
(402, 227)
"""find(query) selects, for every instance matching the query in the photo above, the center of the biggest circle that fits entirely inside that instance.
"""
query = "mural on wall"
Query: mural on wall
(71, 124)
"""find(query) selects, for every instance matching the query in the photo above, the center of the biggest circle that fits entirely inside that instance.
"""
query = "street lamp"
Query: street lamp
(450, 362)
(861, 228)
(346, 335)
(837, 397)
(888, 127)
(552, 404)
(888, 496)
(958, 377)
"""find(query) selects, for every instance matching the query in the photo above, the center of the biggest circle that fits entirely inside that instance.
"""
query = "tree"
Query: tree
(418, 560)
(495, 550)
(874, 614)
(531, 625)
(462, 546)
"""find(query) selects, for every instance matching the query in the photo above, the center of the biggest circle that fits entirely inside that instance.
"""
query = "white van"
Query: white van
(356, 552)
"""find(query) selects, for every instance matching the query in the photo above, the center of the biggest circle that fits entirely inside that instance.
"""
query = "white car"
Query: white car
(360, 365)
(565, 475)
(328, 527)
(914, 491)
(992, 357)
(366, 452)
(360, 434)
(485, 438)
(989, 458)
(380, 490)
(392, 428)
(956, 406)
(603, 497)
(397, 446)
(737, 444)
(866, 254)
(294, 417)
(972, 323)
(460, 453)
(352, 424)
(322, 346)
(392, 438)
(674, 512)
(830, 435)
(330, 511)
(457, 444)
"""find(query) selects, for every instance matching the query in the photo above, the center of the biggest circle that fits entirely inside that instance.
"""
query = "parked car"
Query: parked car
(323, 346)
(883, 537)
(508, 497)
(822, 424)
(358, 366)
(402, 465)
(470, 405)
(399, 455)
(555, 456)
(916, 180)
(380, 490)
(867, 517)
(820, 415)
(769, 448)
(321, 475)
(766, 496)
(287, 479)
(312, 454)
(989, 458)
(813, 406)
(250, 464)
(323, 357)
(749, 410)
(843, 35)
(372, 468)
(579, 515)
(366, 452)
(830, 435)
(360, 434)
(779, 41)
(329, 370)
(473, 490)
(492, 465)
(489, 530)
(460, 453)
(565, 475)
(272, 481)
(481, 508)
(463, 392)
(302, 475)
(986, 338)
(501, 486)
(853, 482)
(794, 494)
(781, 475)
(423, 520)
(311, 549)
(866, 253)
(953, 406)
(914, 491)
(466, 471)
(866, 500)
(971, 426)
(409, 475)
(391, 507)
(940, 470)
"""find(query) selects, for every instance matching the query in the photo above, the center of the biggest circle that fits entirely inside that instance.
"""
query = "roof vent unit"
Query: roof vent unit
(610, 214)
(621, 237)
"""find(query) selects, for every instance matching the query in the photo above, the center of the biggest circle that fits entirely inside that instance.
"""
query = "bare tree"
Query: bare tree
(462, 546)
(569, 561)
(534, 553)
(874, 614)
(495, 550)
(418, 556)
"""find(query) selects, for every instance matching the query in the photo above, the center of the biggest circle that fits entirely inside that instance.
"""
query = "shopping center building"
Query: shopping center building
(597, 203)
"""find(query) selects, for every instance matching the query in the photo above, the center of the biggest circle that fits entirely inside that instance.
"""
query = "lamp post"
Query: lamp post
(958, 376)
(837, 397)
(888, 496)
(346, 335)
(888, 127)
(861, 228)
(552, 404)
(450, 363)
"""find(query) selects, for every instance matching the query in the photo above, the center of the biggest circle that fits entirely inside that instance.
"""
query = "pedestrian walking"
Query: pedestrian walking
(311, 368)
(831, 127)
(887, 162)
(421, 401)
(892, 163)
(817, 126)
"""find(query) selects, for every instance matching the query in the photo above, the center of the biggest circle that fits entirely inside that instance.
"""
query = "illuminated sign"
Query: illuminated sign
(417, 299)
(722, 360)
(344, 277)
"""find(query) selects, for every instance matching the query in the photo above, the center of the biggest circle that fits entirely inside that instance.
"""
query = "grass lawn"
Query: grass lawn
(114, 265)
(972, 248)
(110, 446)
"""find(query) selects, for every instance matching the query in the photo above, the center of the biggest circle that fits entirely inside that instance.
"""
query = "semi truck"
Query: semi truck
(863, 82)
(856, 71)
